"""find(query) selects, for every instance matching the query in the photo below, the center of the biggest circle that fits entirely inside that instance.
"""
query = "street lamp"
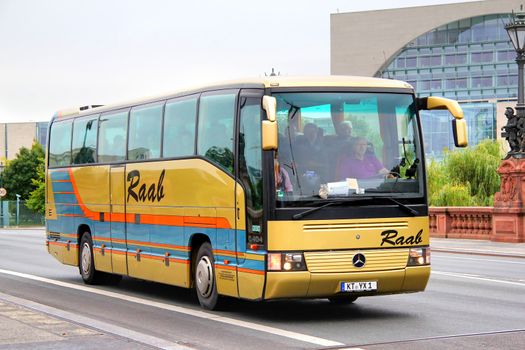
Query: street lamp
(514, 131)
(516, 30)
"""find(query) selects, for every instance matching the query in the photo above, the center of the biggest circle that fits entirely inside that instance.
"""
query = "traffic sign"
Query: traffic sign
(3, 192)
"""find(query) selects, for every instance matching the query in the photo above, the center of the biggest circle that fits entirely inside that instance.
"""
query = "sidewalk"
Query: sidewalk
(23, 328)
(480, 247)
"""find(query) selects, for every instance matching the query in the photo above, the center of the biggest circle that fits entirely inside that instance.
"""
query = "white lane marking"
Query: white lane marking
(476, 277)
(201, 314)
(452, 256)
(102, 326)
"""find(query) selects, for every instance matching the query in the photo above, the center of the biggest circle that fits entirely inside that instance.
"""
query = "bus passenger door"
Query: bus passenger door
(118, 219)
(249, 197)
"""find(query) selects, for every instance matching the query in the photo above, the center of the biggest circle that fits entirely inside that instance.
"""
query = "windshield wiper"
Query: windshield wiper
(309, 211)
(403, 206)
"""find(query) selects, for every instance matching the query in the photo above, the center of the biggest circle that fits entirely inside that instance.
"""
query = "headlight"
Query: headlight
(286, 262)
(418, 256)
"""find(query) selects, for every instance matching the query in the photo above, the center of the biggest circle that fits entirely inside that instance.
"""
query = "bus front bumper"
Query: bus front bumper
(304, 284)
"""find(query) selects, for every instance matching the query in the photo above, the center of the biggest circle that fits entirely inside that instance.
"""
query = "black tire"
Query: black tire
(204, 277)
(86, 263)
(344, 300)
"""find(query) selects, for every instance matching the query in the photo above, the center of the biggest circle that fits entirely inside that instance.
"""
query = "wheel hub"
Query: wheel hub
(204, 277)
(86, 259)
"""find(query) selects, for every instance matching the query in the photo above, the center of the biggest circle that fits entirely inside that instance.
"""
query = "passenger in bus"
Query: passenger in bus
(308, 148)
(335, 146)
(310, 141)
(309, 158)
(344, 131)
(359, 164)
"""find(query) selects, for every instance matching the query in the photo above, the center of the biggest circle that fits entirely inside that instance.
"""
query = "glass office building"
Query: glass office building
(470, 59)
(467, 60)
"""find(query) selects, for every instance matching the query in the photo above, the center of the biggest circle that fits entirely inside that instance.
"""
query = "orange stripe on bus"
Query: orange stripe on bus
(225, 267)
(160, 245)
(257, 272)
(228, 252)
(168, 220)
(118, 252)
(161, 258)
(103, 239)
(69, 235)
(240, 269)
(62, 244)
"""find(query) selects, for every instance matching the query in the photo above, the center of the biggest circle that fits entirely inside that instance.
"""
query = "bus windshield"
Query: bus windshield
(346, 144)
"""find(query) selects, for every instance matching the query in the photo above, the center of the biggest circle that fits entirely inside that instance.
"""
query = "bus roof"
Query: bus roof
(251, 83)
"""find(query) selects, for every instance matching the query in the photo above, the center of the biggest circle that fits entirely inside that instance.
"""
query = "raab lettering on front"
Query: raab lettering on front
(391, 237)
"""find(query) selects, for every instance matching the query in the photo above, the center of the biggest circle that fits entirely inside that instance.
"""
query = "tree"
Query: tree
(19, 173)
(37, 198)
(466, 177)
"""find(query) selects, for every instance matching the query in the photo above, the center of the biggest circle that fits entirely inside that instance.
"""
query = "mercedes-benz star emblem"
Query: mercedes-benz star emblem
(359, 260)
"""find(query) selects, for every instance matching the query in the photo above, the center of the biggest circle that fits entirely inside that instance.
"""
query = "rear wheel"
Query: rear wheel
(86, 265)
(205, 283)
(86, 262)
(342, 300)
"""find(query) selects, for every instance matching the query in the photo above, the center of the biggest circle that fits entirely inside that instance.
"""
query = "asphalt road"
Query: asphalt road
(471, 301)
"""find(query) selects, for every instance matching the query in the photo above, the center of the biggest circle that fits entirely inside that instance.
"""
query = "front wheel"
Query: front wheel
(205, 283)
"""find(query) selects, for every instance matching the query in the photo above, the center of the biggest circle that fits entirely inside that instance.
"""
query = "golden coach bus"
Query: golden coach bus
(259, 189)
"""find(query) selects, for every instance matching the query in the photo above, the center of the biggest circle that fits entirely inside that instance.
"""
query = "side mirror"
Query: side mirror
(459, 129)
(270, 132)
(459, 126)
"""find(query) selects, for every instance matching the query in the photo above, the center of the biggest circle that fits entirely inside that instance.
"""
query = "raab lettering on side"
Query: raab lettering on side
(151, 193)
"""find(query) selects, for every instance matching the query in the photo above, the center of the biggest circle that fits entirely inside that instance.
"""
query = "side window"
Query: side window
(250, 166)
(112, 138)
(216, 121)
(85, 140)
(179, 127)
(145, 125)
(60, 144)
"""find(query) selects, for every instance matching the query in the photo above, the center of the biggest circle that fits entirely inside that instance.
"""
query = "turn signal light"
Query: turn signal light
(274, 261)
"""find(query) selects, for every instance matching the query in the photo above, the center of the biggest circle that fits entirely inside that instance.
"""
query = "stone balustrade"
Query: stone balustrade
(461, 222)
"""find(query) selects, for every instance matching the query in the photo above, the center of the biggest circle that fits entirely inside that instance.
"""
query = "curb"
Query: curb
(477, 252)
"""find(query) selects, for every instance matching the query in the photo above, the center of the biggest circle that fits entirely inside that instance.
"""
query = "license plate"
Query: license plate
(367, 286)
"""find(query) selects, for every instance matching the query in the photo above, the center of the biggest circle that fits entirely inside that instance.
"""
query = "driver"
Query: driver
(358, 163)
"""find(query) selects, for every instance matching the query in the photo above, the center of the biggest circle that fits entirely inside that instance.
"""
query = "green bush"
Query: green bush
(466, 177)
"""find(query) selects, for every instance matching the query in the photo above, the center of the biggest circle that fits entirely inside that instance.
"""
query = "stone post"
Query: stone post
(508, 220)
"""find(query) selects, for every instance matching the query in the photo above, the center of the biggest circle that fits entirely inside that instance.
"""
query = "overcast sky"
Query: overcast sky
(64, 53)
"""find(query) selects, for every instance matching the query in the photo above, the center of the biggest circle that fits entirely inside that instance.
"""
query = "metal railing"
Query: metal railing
(15, 213)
